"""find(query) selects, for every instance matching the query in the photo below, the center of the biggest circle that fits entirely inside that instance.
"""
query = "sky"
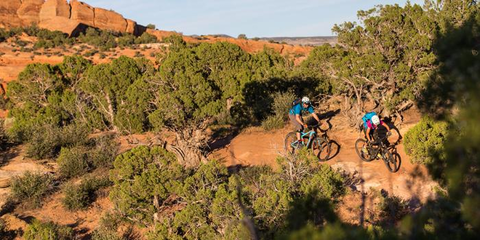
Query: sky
(255, 18)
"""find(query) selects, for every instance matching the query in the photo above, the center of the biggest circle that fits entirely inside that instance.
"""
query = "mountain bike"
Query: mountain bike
(381, 149)
(320, 145)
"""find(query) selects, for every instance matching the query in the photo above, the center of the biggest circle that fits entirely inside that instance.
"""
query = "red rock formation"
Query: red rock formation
(62, 16)
(29, 11)
(53, 9)
(8, 13)
(131, 26)
(82, 13)
(109, 20)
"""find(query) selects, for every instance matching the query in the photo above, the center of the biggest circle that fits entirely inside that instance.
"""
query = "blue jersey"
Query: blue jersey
(297, 109)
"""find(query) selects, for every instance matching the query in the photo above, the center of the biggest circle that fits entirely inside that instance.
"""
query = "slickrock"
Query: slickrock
(8, 13)
(82, 13)
(29, 11)
(55, 10)
(109, 20)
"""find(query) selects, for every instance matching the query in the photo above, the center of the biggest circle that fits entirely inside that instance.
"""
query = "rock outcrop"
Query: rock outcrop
(63, 16)
(29, 11)
(8, 13)
(105, 19)
(83, 13)
(55, 9)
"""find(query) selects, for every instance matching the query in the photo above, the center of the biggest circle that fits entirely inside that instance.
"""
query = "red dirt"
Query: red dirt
(257, 147)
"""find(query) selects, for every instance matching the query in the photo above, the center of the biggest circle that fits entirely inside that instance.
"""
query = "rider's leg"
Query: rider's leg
(296, 126)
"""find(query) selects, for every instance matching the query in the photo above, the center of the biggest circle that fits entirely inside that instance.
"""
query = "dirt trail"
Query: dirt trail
(257, 147)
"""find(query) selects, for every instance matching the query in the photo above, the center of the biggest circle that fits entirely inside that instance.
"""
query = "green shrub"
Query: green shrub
(81, 196)
(99, 38)
(141, 175)
(426, 139)
(108, 226)
(104, 152)
(242, 36)
(282, 103)
(146, 38)
(72, 162)
(273, 122)
(47, 231)
(47, 140)
(44, 142)
(50, 39)
(31, 187)
(104, 234)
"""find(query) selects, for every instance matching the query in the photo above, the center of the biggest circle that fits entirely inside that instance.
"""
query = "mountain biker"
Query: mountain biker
(295, 115)
(373, 125)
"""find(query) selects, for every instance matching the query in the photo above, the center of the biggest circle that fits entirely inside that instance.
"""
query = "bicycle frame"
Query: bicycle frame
(311, 135)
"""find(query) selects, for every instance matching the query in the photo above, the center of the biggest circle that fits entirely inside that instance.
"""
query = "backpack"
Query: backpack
(366, 118)
(296, 101)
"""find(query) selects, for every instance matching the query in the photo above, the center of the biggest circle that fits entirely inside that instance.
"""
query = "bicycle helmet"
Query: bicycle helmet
(375, 120)
(306, 100)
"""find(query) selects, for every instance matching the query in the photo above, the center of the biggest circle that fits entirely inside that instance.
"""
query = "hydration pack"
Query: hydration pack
(367, 117)
(296, 101)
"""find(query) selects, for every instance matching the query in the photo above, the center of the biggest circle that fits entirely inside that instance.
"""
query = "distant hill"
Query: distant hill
(305, 41)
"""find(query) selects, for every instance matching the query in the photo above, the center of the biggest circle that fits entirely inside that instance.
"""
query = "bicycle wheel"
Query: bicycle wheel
(391, 162)
(362, 150)
(291, 142)
(321, 148)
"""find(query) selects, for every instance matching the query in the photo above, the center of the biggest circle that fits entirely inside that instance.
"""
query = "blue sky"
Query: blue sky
(255, 18)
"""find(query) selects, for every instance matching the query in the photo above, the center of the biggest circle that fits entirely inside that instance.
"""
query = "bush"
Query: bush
(81, 196)
(99, 38)
(104, 152)
(425, 140)
(282, 103)
(47, 140)
(146, 38)
(49, 230)
(273, 122)
(242, 36)
(72, 162)
(141, 175)
(31, 187)
(107, 228)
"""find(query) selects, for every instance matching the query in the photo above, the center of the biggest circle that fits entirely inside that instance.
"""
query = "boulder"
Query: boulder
(29, 11)
(109, 20)
(82, 13)
(8, 13)
(54, 9)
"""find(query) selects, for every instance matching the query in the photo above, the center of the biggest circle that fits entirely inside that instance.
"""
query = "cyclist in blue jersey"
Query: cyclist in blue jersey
(295, 115)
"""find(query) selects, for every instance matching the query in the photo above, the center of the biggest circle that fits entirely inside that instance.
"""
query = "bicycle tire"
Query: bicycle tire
(390, 161)
(289, 139)
(321, 148)
(359, 145)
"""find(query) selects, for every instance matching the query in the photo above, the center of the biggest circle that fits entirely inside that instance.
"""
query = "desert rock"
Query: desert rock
(29, 11)
(109, 20)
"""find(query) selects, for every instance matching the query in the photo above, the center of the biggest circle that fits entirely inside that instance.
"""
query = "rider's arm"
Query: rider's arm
(386, 126)
(316, 117)
(368, 134)
(299, 119)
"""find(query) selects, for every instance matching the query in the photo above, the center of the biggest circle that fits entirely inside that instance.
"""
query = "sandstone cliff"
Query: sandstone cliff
(63, 16)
